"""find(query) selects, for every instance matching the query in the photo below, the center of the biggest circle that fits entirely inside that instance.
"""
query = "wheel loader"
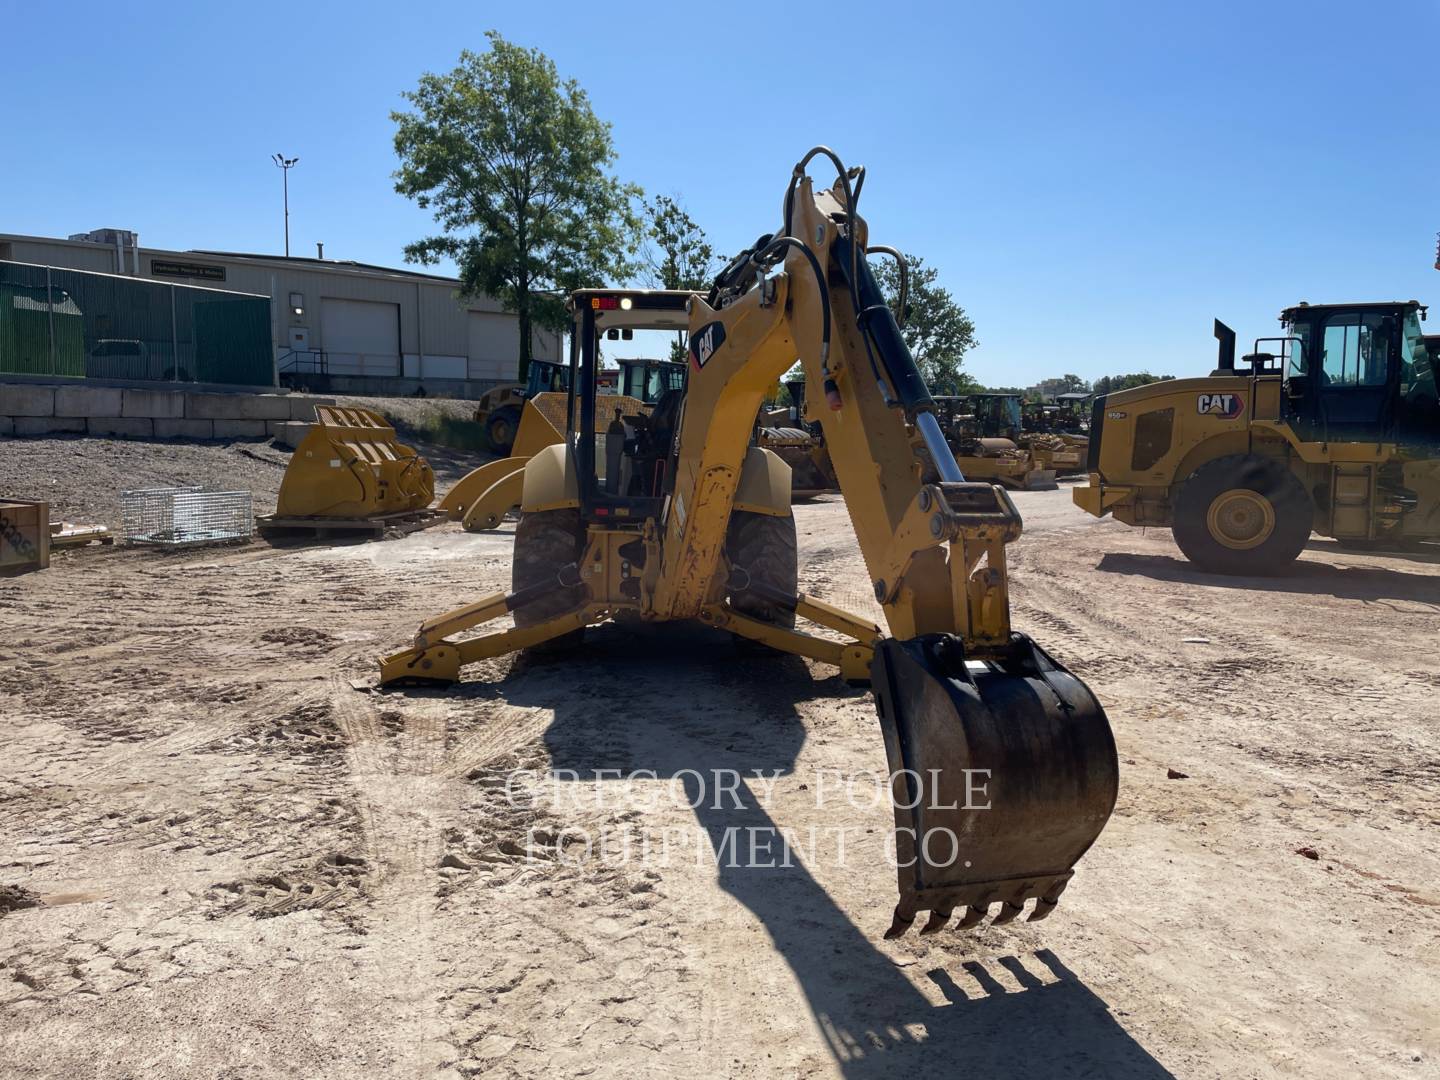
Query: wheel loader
(1334, 428)
(675, 514)
(499, 409)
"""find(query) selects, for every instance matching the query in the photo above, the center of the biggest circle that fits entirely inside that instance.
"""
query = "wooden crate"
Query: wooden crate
(24, 536)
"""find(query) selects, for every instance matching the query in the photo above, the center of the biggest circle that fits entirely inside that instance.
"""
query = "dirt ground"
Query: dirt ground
(226, 857)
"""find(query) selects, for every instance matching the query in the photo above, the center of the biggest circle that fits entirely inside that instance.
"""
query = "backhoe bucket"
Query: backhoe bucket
(1002, 776)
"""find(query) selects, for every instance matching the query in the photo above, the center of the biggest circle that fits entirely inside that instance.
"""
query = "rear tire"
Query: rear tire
(546, 540)
(1243, 514)
(500, 428)
(763, 547)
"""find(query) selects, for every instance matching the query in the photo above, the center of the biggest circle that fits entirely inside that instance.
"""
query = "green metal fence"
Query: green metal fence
(71, 323)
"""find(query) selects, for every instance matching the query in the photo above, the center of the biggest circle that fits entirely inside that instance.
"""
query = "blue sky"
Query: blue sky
(1095, 181)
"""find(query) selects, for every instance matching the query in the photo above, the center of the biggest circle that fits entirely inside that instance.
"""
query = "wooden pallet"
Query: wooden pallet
(273, 526)
(65, 535)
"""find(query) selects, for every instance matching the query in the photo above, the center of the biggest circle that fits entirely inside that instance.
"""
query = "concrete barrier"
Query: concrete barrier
(184, 429)
(288, 432)
(21, 400)
(153, 404)
(138, 413)
(49, 425)
(87, 401)
(237, 407)
(239, 429)
(124, 427)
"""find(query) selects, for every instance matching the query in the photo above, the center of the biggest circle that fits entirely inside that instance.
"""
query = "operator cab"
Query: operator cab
(624, 456)
(547, 377)
(998, 415)
(1355, 372)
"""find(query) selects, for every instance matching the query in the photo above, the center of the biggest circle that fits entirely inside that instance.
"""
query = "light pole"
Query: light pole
(286, 164)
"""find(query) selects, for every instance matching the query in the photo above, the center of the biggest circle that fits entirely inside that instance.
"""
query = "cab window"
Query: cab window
(1356, 350)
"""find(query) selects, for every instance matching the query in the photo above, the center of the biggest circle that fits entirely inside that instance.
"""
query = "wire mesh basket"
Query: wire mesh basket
(186, 515)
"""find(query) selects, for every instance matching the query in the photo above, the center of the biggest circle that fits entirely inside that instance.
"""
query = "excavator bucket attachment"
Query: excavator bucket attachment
(1002, 775)
(349, 465)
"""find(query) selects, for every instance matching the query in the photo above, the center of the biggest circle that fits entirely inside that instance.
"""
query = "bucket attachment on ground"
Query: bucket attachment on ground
(1002, 777)
(350, 465)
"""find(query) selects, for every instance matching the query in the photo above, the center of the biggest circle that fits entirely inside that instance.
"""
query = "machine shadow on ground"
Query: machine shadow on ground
(1306, 577)
(714, 710)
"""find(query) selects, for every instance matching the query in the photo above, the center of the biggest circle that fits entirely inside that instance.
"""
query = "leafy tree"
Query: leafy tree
(515, 165)
(938, 331)
(1111, 383)
(678, 254)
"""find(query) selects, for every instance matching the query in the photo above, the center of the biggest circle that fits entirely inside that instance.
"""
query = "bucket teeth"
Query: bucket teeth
(938, 918)
(900, 923)
(1043, 908)
(974, 916)
(1008, 911)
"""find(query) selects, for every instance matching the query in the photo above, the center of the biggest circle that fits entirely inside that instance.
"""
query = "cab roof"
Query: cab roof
(1305, 307)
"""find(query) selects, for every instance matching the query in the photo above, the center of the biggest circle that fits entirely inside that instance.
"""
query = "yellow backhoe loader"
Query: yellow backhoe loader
(1335, 430)
(677, 515)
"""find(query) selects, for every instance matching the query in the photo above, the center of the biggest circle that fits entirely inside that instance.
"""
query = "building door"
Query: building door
(360, 337)
(494, 345)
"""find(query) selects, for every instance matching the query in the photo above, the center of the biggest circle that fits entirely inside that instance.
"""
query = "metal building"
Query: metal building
(340, 327)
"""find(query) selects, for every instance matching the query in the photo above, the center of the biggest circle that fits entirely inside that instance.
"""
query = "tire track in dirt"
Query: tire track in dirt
(404, 799)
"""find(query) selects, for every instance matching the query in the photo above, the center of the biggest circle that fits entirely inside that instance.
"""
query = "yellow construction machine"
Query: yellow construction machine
(350, 465)
(983, 432)
(1334, 429)
(798, 443)
(675, 514)
(499, 409)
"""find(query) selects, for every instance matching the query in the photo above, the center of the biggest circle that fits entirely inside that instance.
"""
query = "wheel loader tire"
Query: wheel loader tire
(545, 541)
(763, 547)
(500, 428)
(1243, 514)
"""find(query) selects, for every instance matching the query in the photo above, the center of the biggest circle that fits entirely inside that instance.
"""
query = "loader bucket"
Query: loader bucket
(1040, 480)
(350, 465)
(1002, 777)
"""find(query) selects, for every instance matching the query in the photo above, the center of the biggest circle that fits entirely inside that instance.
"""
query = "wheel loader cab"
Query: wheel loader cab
(1351, 371)
(546, 377)
(623, 459)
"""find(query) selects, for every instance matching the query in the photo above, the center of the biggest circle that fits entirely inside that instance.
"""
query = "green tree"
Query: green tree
(1111, 383)
(516, 168)
(938, 331)
(678, 255)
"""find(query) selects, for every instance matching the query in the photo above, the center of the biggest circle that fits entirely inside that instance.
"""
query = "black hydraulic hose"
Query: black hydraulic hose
(850, 210)
(760, 258)
(904, 268)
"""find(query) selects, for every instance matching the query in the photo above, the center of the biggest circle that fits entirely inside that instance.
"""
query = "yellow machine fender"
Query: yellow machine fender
(764, 486)
(550, 482)
(1217, 446)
